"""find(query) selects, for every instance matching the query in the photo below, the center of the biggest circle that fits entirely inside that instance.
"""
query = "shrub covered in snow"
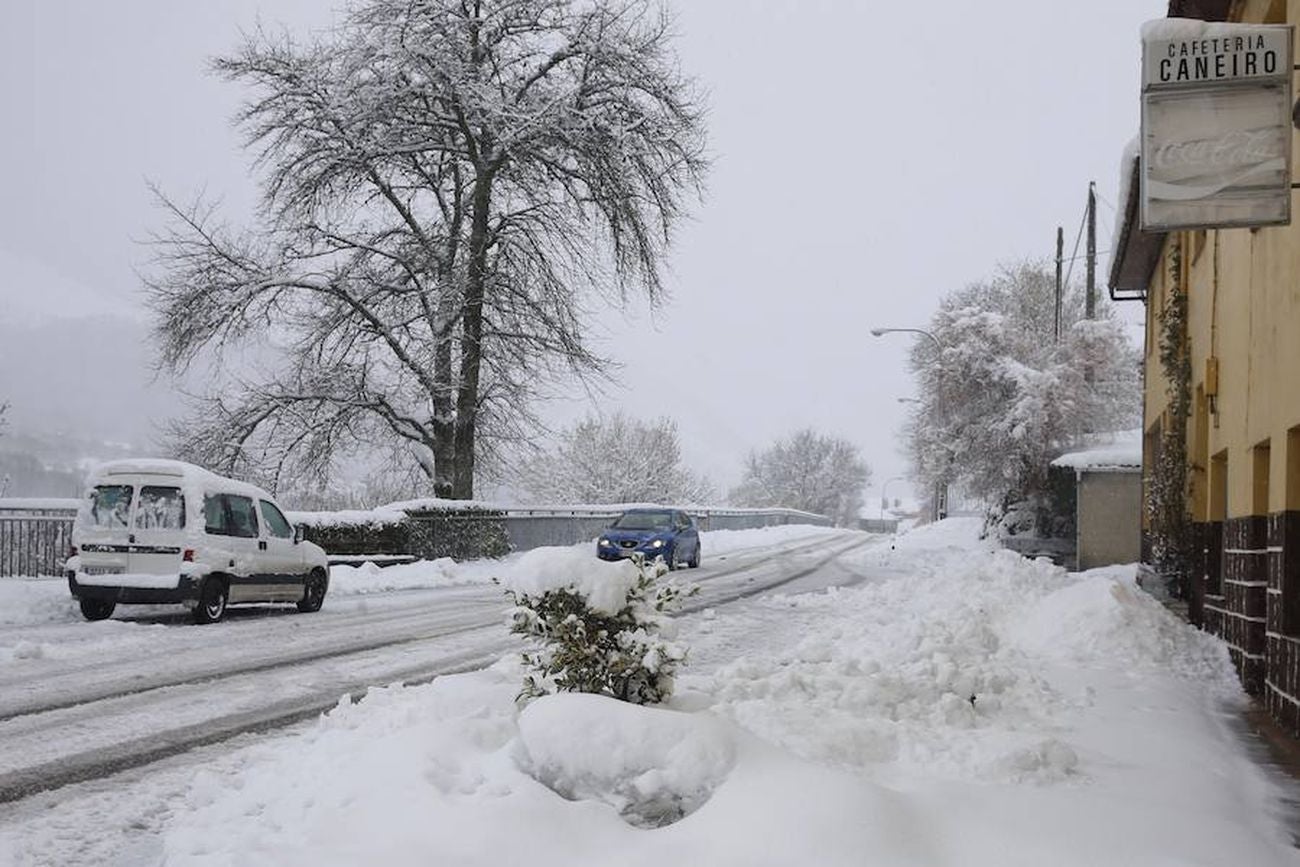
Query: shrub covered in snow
(462, 533)
(585, 639)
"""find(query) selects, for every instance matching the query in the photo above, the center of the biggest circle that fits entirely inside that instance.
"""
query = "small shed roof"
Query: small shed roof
(1122, 453)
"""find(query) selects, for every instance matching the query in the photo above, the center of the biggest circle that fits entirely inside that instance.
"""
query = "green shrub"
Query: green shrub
(627, 655)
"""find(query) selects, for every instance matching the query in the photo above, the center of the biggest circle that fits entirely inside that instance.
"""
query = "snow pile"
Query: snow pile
(911, 673)
(423, 574)
(444, 774)
(1104, 616)
(654, 766)
(26, 601)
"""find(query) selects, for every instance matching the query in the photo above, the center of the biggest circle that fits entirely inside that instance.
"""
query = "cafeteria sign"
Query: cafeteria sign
(1216, 125)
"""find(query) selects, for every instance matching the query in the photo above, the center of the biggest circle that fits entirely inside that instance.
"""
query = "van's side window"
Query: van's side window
(275, 520)
(159, 508)
(242, 516)
(229, 515)
(214, 515)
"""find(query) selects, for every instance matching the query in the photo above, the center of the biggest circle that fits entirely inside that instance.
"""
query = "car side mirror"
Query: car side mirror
(299, 533)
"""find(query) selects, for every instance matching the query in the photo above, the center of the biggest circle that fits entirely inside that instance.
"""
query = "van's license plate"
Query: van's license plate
(102, 570)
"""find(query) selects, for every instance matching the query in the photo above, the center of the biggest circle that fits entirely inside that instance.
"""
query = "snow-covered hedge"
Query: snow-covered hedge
(462, 533)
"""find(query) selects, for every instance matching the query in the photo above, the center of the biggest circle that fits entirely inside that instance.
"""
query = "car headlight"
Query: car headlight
(657, 543)
(605, 543)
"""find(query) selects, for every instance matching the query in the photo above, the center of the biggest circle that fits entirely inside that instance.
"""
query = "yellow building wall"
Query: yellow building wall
(1243, 290)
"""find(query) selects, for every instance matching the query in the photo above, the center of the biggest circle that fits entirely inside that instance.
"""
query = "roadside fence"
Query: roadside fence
(35, 535)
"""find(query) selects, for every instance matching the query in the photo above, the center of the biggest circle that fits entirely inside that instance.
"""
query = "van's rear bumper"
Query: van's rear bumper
(186, 590)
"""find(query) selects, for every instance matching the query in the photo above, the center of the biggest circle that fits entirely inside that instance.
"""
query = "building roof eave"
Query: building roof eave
(1205, 10)
(1137, 252)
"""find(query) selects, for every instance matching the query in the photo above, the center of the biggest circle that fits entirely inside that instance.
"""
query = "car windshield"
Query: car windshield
(644, 521)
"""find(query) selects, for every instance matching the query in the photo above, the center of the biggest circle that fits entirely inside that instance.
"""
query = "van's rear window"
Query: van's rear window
(110, 506)
(160, 508)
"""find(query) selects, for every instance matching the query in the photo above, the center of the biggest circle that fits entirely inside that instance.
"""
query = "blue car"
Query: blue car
(667, 533)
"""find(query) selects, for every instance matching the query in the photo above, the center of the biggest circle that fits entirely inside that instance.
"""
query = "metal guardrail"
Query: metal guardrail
(35, 535)
(536, 528)
(34, 539)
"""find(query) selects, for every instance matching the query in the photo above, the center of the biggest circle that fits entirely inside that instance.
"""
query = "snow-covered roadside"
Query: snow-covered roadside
(32, 601)
(836, 728)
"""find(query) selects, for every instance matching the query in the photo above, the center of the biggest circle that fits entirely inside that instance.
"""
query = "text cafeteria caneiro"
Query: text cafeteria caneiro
(1218, 57)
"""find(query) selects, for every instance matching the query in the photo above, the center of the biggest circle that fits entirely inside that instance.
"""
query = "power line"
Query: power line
(1074, 253)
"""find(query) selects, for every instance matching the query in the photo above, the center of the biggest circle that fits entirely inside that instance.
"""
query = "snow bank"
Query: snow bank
(26, 601)
(1105, 615)
(443, 774)
(654, 766)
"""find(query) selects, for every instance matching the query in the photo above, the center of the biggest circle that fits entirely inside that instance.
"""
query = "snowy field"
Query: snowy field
(955, 706)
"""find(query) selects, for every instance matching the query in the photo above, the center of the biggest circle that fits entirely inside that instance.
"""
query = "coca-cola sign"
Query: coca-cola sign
(1216, 124)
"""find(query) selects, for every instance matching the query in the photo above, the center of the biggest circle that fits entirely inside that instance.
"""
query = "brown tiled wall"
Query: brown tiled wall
(1239, 616)
(1209, 589)
(1207, 546)
(1282, 674)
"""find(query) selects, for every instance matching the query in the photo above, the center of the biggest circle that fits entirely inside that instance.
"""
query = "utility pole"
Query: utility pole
(1060, 260)
(1090, 310)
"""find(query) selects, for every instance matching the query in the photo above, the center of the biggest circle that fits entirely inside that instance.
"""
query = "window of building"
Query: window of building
(1259, 468)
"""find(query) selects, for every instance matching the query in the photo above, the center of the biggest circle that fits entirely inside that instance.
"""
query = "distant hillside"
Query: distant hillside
(35, 466)
(81, 379)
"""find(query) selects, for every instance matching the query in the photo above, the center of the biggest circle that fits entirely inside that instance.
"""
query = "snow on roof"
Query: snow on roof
(1128, 159)
(1121, 450)
(179, 469)
(1169, 29)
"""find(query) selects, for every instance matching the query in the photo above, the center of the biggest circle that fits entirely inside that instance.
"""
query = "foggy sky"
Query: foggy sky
(868, 159)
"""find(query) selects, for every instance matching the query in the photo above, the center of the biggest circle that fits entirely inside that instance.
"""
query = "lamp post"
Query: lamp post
(941, 486)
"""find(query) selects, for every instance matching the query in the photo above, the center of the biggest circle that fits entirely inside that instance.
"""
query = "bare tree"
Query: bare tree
(808, 470)
(444, 182)
(617, 459)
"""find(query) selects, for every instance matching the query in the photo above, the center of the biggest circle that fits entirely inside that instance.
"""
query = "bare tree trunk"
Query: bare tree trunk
(471, 355)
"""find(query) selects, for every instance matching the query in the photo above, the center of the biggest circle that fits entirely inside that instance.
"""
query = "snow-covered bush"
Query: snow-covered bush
(620, 647)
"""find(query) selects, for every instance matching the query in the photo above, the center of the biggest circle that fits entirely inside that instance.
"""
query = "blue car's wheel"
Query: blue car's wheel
(694, 562)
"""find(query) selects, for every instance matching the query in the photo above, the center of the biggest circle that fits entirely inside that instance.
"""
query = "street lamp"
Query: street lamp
(941, 486)
(881, 332)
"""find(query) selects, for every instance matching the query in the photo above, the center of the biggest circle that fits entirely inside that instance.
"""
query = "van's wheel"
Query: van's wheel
(694, 562)
(212, 601)
(97, 609)
(313, 592)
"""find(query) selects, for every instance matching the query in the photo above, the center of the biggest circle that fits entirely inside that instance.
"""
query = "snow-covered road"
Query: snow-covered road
(83, 700)
(934, 703)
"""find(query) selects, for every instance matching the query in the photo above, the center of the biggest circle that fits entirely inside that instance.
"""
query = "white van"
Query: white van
(155, 531)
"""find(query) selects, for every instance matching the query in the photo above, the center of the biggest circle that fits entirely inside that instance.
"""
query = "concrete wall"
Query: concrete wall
(1109, 510)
